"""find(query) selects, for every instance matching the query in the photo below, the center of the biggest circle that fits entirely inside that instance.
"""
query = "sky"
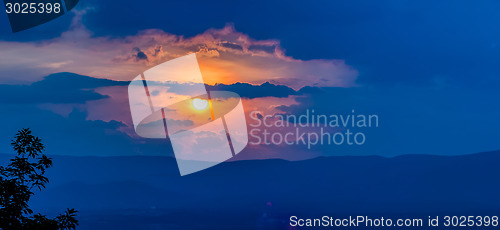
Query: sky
(428, 70)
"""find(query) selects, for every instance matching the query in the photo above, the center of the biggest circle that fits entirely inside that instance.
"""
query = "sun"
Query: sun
(200, 104)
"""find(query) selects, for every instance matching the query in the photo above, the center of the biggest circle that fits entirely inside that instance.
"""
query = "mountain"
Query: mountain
(148, 193)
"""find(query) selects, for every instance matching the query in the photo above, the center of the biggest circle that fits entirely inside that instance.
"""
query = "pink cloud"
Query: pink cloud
(225, 56)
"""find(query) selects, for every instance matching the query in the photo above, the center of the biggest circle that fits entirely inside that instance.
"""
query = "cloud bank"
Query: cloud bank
(224, 55)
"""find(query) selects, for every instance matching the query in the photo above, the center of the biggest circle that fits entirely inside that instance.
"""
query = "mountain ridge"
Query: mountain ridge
(150, 188)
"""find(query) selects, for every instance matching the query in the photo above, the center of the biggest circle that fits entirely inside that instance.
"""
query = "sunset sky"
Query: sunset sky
(428, 71)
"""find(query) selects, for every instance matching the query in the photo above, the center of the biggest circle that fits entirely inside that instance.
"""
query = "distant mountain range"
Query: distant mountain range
(148, 193)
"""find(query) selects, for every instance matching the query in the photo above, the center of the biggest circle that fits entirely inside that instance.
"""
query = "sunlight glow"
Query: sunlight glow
(200, 104)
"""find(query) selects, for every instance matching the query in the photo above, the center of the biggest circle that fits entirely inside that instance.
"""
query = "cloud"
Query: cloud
(74, 134)
(140, 55)
(224, 55)
(253, 91)
(387, 46)
(56, 88)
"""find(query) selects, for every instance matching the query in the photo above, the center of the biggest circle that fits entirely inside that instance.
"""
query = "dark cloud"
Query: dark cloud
(75, 134)
(254, 91)
(245, 90)
(158, 50)
(56, 88)
(140, 55)
(311, 90)
(65, 88)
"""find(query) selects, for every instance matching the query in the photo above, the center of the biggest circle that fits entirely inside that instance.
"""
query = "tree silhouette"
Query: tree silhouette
(17, 180)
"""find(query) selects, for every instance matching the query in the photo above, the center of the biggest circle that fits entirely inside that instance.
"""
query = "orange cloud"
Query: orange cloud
(225, 56)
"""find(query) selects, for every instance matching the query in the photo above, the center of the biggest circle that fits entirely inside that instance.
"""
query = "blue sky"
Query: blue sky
(430, 70)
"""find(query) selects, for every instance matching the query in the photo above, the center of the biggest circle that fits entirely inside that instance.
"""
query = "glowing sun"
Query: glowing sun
(200, 104)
